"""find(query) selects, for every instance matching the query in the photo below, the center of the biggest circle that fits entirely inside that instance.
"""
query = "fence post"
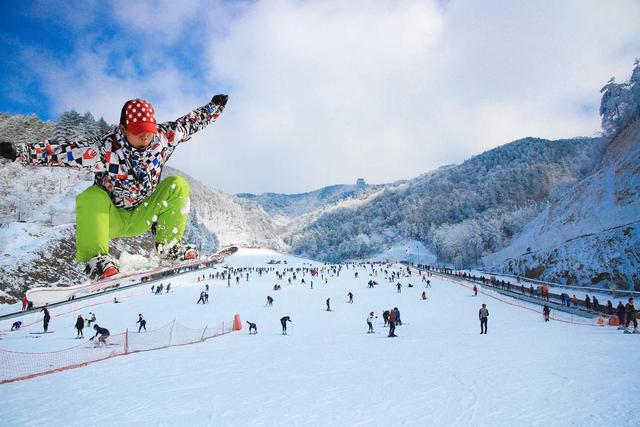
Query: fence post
(171, 332)
(203, 332)
(126, 341)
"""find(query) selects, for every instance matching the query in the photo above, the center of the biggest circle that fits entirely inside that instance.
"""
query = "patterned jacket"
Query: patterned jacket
(129, 175)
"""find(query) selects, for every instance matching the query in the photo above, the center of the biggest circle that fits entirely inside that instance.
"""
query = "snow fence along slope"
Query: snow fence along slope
(328, 371)
(15, 366)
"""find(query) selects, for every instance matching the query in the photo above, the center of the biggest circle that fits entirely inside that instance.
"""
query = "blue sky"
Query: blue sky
(324, 92)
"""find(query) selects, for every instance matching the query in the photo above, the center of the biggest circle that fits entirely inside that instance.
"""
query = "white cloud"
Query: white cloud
(323, 92)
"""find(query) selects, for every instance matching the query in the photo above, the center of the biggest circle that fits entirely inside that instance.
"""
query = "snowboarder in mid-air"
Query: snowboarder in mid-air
(127, 198)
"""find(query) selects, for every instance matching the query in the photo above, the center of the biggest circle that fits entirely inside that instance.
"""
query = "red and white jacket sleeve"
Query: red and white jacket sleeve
(85, 154)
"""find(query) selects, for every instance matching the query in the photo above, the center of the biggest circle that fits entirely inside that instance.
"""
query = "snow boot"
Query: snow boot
(100, 267)
(176, 251)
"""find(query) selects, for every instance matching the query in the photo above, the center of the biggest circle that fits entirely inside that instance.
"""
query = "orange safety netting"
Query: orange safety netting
(15, 366)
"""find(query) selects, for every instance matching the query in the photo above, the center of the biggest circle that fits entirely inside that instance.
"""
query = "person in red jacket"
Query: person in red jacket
(392, 323)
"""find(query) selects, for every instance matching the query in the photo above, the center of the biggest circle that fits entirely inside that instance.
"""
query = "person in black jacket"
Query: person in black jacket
(283, 322)
(385, 317)
(630, 316)
(45, 319)
(79, 326)
(545, 311)
(103, 332)
(142, 322)
(620, 314)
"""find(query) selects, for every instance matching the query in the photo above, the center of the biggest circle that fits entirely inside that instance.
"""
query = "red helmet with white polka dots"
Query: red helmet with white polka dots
(138, 116)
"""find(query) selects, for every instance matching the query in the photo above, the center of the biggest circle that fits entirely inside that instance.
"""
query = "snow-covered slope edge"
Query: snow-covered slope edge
(589, 234)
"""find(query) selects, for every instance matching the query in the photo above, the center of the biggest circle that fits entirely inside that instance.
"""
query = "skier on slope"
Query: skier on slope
(546, 310)
(392, 323)
(630, 316)
(45, 319)
(79, 326)
(283, 322)
(103, 332)
(370, 319)
(127, 198)
(483, 315)
(385, 317)
(620, 313)
(142, 322)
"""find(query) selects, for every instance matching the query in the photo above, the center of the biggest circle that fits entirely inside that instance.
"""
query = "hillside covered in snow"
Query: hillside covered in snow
(564, 210)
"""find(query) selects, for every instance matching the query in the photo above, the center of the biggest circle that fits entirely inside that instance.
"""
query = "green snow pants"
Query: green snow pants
(98, 220)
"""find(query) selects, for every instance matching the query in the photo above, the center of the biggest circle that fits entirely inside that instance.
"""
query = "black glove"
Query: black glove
(8, 151)
(220, 100)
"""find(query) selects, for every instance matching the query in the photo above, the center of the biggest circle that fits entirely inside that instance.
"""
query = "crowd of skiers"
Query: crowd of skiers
(391, 317)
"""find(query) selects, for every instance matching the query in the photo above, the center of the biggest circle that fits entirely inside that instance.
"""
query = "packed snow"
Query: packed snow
(328, 371)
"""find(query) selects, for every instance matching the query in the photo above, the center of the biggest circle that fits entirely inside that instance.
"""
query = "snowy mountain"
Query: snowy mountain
(559, 210)
(590, 233)
(459, 211)
(295, 205)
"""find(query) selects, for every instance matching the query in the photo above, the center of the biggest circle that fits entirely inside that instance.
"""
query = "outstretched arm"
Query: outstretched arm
(181, 129)
(84, 154)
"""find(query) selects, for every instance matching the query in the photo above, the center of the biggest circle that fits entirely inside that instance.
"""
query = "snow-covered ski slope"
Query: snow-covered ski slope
(328, 371)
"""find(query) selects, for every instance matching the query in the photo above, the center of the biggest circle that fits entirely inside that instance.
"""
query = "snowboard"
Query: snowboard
(43, 296)
(40, 333)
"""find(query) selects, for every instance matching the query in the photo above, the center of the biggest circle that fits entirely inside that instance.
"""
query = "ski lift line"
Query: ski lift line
(559, 285)
(481, 290)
